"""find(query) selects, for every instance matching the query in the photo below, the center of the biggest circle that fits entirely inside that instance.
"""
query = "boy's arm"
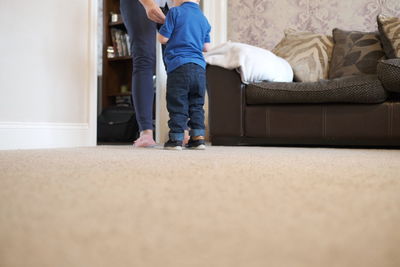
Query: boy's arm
(166, 30)
(162, 39)
(206, 47)
(207, 40)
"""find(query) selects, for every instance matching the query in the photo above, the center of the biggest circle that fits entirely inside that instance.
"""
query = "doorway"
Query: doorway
(118, 70)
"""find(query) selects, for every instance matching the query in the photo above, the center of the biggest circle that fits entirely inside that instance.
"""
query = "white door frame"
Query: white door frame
(216, 12)
(93, 65)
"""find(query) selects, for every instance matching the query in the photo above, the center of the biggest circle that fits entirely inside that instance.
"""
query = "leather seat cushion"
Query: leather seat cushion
(349, 89)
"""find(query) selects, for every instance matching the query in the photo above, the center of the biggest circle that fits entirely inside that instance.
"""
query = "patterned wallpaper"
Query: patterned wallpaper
(262, 22)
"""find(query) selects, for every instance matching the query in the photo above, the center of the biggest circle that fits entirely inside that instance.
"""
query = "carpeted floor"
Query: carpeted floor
(115, 206)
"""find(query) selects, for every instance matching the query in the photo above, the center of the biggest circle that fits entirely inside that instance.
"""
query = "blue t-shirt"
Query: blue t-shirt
(187, 29)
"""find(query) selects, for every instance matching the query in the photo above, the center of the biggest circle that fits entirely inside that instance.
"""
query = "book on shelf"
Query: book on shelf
(115, 17)
(120, 40)
(127, 40)
(123, 44)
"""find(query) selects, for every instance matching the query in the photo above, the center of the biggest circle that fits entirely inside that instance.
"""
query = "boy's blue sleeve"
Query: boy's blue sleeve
(207, 38)
(168, 27)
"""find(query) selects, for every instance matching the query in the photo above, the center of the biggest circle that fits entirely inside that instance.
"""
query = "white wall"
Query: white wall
(47, 73)
(217, 14)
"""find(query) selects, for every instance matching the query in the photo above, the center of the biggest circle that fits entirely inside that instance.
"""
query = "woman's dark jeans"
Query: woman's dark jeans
(142, 35)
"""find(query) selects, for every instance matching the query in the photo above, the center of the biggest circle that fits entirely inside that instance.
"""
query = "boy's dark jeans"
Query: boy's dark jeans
(186, 87)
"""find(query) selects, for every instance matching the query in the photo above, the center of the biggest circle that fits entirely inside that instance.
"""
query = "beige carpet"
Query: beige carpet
(225, 207)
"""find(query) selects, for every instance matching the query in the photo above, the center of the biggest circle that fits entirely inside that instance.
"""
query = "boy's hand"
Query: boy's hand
(206, 47)
(153, 11)
(162, 39)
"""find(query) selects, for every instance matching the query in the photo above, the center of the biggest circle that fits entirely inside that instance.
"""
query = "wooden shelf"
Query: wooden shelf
(118, 23)
(113, 59)
(119, 94)
(117, 71)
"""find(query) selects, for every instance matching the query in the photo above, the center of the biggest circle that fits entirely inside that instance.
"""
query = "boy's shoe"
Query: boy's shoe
(196, 142)
(173, 145)
(146, 140)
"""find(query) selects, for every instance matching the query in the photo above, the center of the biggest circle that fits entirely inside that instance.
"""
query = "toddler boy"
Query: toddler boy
(186, 33)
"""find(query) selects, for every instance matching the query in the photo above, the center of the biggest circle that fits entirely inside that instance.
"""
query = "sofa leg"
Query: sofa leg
(226, 141)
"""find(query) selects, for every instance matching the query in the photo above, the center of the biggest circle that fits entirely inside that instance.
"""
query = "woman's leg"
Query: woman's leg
(142, 35)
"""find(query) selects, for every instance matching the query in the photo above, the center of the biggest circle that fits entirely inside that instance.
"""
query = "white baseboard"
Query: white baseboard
(36, 135)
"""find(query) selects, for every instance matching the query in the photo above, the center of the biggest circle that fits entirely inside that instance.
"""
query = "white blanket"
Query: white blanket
(254, 64)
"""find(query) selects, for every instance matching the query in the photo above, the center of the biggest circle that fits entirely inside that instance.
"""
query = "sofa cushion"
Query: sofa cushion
(355, 53)
(389, 74)
(389, 29)
(350, 89)
(308, 54)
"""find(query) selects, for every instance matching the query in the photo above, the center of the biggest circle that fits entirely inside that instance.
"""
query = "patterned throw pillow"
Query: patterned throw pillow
(308, 54)
(389, 29)
(355, 53)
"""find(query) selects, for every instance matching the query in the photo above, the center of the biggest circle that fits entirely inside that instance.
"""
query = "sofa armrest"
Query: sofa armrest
(389, 74)
(226, 102)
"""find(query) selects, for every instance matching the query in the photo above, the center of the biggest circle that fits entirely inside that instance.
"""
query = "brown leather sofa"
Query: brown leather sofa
(305, 114)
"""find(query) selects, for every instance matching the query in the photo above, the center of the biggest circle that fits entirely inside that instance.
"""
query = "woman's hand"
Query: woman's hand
(153, 11)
